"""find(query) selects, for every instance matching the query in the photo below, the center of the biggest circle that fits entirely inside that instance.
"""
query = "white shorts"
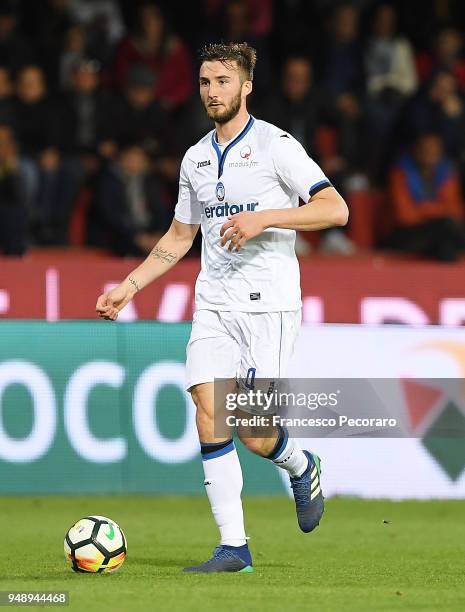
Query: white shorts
(240, 345)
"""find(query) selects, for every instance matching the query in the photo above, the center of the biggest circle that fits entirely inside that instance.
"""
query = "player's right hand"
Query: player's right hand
(110, 303)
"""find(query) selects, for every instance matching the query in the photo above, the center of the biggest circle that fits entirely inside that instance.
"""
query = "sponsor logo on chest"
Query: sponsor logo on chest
(245, 159)
(226, 209)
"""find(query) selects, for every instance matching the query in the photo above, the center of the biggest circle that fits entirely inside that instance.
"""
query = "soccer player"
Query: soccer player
(241, 184)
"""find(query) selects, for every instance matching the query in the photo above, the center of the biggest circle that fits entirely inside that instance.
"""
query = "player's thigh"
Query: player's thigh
(212, 355)
(209, 359)
(269, 340)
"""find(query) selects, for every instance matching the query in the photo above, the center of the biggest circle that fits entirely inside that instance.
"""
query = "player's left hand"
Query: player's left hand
(240, 228)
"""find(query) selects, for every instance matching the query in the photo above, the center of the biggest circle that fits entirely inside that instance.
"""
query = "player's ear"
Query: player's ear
(247, 87)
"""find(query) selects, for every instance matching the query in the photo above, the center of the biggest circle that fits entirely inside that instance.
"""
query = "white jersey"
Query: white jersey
(261, 168)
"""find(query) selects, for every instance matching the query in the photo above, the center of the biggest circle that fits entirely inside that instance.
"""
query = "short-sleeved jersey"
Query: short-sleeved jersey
(261, 168)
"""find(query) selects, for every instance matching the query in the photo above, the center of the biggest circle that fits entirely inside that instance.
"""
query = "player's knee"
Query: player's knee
(204, 413)
(200, 400)
(203, 420)
(195, 397)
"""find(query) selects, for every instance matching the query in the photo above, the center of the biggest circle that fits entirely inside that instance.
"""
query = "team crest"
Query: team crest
(220, 192)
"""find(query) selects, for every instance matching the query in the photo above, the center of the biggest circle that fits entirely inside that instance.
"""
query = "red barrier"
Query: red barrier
(337, 290)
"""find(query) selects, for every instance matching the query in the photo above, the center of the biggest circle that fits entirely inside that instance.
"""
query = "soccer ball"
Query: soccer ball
(95, 544)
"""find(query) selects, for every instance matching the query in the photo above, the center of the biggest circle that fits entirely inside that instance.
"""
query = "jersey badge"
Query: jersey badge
(220, 191)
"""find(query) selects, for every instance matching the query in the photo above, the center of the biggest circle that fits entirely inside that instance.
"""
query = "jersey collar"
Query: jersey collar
(238, 138)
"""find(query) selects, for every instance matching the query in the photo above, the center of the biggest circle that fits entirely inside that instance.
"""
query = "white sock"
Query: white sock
(288, 455)
(223, 484)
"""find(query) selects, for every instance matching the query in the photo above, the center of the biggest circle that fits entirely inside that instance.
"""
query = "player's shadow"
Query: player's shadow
(160, 562)
(282, 566)
(46, 576)
(177, 563)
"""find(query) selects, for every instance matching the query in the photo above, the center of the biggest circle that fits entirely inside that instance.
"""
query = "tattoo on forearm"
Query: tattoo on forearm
(164, 255)
(134, 283)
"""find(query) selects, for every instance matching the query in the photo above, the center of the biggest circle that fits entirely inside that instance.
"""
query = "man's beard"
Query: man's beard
(228, 113)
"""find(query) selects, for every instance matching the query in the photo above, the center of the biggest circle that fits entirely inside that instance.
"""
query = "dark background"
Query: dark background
(99, 101)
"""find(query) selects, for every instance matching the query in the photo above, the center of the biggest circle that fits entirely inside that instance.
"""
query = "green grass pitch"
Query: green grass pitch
(365, 556)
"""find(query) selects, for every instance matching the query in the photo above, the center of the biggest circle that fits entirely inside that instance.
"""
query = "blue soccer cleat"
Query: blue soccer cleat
(308, 496)
(225, 559)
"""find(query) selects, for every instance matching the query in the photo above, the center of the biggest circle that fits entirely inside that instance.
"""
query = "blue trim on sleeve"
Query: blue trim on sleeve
(317, 186)
(239, 137)
(223, 451)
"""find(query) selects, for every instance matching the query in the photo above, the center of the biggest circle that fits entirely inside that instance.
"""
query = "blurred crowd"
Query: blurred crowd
(98, 103)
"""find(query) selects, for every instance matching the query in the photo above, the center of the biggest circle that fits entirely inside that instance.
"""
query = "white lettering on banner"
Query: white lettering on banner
(312, 310)
(52, 308)
(84, 442)
(38, 441)
(128, 313)
(452, 312)
(150, 382)
(375, 310)
(4, 301)
(174, 301)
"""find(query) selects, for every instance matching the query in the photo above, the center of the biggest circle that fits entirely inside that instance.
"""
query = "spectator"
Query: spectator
(15, 52)
(297, 28)
(13, 210)
(299, 108)
(390, 66)
(34, 125)
(343, 73)
(343, 78)
(103, 25)
(46, 23)
(259, 15)
(236, 26)
(428, 206)
(74, 50)
(49, 180)
(137, 116)
(354, 106)
(422, 21)
(84, 112)
(298, 105)
(6, 97)
(440, 110)
(296, 109)
(85, 108)
(166, 55)
(391, 78)
(447, 56)
(129, 199)
(34, 112)
(101, 15)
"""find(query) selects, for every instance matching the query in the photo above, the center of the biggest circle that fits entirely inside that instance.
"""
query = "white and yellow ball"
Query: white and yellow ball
(95, 544)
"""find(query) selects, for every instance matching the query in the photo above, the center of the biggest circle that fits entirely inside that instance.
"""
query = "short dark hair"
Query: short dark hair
(243, 54)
